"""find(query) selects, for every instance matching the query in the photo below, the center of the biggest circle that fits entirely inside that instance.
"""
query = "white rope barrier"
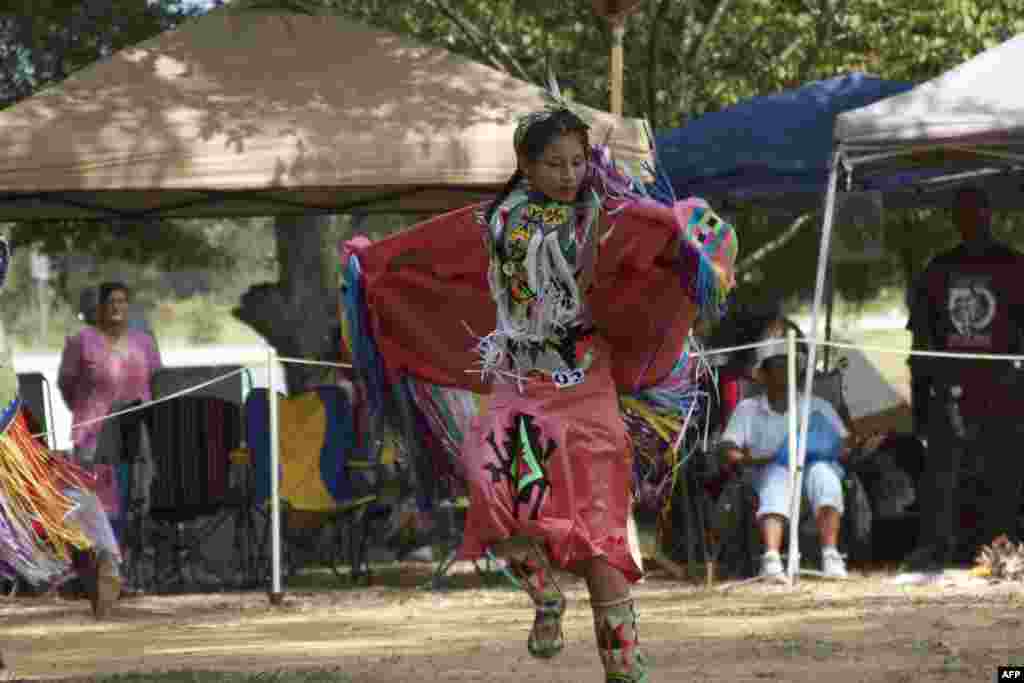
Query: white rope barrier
(275, 506)
(300, 361)
(144, 406)
(696, 354)
(913, 352)
(184, 392)
(807, 341)
(273, 360)
(733, 349)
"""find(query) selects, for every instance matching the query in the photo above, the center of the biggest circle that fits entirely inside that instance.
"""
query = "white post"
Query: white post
(794, 501)
(275, 485)
(819, 286)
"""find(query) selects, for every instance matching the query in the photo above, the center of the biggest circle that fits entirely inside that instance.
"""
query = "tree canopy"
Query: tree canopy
(683, 58)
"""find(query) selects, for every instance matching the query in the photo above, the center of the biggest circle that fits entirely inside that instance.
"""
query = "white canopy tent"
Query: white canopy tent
(965, 126)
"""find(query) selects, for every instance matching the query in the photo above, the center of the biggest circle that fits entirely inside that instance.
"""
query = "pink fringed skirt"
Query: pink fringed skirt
(556, 465)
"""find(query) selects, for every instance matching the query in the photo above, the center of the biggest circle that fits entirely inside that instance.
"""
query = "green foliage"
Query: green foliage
(211, 260)
(45, 41)
(20, 310)
(170, 245)
(205, 324)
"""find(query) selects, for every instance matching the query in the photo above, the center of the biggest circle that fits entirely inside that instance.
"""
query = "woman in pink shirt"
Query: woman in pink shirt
(105, 365)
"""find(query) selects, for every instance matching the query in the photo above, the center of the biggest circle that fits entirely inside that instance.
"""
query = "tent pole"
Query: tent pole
(791, 448)
(618, 26)
(812, 338)
(830, 303)
(276, 594)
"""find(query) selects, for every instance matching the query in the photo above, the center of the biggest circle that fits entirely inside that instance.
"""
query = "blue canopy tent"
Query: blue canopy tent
(775, 150)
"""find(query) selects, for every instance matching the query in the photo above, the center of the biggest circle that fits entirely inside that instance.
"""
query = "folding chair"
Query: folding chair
(346, 482)
(172, 547)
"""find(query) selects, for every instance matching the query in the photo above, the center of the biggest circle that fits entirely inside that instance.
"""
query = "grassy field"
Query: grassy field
(892, 366)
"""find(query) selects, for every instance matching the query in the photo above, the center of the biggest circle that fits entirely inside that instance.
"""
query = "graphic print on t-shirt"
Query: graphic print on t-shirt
(972, 308)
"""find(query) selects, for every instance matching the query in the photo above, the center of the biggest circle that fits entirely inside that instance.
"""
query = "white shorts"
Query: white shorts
(823, 487)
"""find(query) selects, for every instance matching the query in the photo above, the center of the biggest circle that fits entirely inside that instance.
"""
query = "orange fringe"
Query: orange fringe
(32, 479)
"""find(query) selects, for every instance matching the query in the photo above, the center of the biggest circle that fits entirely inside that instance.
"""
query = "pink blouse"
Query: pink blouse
(94, 374)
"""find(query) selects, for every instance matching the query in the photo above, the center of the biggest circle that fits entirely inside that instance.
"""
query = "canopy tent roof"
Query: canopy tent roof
(966, 125)
(262, 113)
(775, 150)
(918, 147)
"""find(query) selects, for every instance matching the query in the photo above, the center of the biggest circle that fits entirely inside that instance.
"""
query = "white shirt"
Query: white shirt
(756, 426)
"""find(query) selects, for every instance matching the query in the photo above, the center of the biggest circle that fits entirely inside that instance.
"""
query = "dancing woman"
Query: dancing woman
(590, 288)
(549, 465)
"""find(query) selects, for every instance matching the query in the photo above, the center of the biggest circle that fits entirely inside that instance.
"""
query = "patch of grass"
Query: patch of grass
(824, 649)
(952, 664)
(228, 677)
(648, 538)
(398, 576)
(921, 646)
(791, 647)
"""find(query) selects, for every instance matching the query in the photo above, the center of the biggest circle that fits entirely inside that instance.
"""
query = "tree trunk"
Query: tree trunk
(298, 314)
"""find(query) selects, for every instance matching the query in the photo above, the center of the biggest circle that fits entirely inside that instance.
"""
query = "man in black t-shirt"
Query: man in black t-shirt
(968, 300)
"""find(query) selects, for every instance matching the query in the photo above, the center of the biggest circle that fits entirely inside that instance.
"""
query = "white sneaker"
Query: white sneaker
(833, 566)
(771, 566)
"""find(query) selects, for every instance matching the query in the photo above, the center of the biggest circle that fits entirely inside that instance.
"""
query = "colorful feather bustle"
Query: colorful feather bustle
(666, 423)
(449, 412)
(357, 334)
(34, 534)
(656, 418)
(707, 246)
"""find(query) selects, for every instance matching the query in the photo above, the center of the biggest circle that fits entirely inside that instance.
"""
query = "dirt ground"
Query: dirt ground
(867, 629)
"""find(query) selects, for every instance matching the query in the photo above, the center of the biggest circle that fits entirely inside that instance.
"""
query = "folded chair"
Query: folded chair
(199, 502)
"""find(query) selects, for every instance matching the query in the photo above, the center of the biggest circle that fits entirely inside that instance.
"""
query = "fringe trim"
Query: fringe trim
(366, 355)
(33, 505)
(703, 282)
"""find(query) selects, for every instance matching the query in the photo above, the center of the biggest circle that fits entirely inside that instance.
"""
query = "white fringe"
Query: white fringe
(557, 304)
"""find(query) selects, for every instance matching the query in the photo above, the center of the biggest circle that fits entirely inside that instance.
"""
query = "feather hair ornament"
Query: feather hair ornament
(554, 102)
